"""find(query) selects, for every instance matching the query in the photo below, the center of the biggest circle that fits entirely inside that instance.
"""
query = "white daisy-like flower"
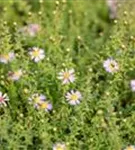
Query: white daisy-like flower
(59, 146)
(73, 97)
(6, 58)
(39, 102)
(47, 106)
(3, 99)
(37, 54)
(132, 84)
(37, 98)
(15, 75)
(131, 147)
(67, 76)
(111, 65)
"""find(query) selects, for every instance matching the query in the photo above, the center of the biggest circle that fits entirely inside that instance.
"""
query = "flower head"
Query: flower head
(39, 102)
(45, 106)
(5, 58)
(73, 97)
(67, 76)
(15, 75)
(37, 98)
(36, 54)
(131, 147)
(111, 66)
(59, 146)
(3, 99)
(31, 30)
(112, 8)
(132, 84)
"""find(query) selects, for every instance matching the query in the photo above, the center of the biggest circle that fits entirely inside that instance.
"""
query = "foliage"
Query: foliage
(73, 34)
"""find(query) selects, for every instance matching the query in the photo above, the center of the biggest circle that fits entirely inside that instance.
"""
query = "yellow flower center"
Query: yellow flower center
(66, 75)
(74, 97)
(112, 66)
(6, 57)
(36, 53)
(17, 73)
(37, 99)
(59, 148)
(44, 105)
(129, 148)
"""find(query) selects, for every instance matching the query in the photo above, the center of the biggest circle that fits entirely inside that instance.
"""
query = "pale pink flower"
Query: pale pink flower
(111, 65)
(6, 58)
(3, 99)
(31, 30)
(16, 75)
(112, 5)
(39, 102)
(132, 84)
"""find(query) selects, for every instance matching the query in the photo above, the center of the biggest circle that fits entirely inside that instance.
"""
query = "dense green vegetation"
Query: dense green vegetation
(67, 75)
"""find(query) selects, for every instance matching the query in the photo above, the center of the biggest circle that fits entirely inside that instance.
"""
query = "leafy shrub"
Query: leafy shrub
(66, 76)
